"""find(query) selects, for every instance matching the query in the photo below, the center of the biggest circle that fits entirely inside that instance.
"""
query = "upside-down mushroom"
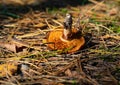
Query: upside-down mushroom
(66, 39)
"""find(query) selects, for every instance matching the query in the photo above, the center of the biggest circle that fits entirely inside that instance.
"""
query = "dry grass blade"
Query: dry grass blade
(72, 64)
(110, 36)
(40, 25)
(57, 22)
(18, 42)
(98, 3)
(50, 26)
(28, 35)
(103, 52)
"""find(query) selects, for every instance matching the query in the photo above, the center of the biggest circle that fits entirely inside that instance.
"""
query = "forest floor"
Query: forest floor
(26, 60)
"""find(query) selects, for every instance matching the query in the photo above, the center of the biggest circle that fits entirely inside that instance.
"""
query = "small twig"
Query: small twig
(28, 35)
(95, 2)
(57, 22)
(73, 63)
(79, 65)
(48, 24)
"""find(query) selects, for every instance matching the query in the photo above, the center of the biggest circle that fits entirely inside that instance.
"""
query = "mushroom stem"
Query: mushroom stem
(67, 26)
(67, 33)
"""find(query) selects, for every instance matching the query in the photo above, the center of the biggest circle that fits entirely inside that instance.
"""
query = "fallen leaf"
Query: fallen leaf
(12, 47)
(68, 73)
(113, 11)
(9, 68)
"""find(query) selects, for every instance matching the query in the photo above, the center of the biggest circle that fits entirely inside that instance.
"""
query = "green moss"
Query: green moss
(115, 29)
(74, 82)
(64, 10)
(51, 10)
(118, 70)
(108, 58)
(56, 10)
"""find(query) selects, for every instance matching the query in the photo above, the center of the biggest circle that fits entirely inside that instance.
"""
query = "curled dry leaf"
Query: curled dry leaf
(16, 45)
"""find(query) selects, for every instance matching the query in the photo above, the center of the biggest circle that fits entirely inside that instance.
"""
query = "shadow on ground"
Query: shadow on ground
(42, 6)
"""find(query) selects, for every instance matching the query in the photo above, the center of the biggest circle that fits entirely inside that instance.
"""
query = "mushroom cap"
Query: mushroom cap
(57, 42)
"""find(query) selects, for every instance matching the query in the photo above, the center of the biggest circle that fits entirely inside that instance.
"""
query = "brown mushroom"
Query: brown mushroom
(66, 39)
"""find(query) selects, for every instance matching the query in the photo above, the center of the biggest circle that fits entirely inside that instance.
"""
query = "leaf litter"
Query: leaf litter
(25, 58)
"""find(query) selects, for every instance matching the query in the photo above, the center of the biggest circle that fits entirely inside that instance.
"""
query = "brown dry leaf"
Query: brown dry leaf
(12, 46)
(113, 11)
(8, 68)
(23, 45)
(68, 72)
